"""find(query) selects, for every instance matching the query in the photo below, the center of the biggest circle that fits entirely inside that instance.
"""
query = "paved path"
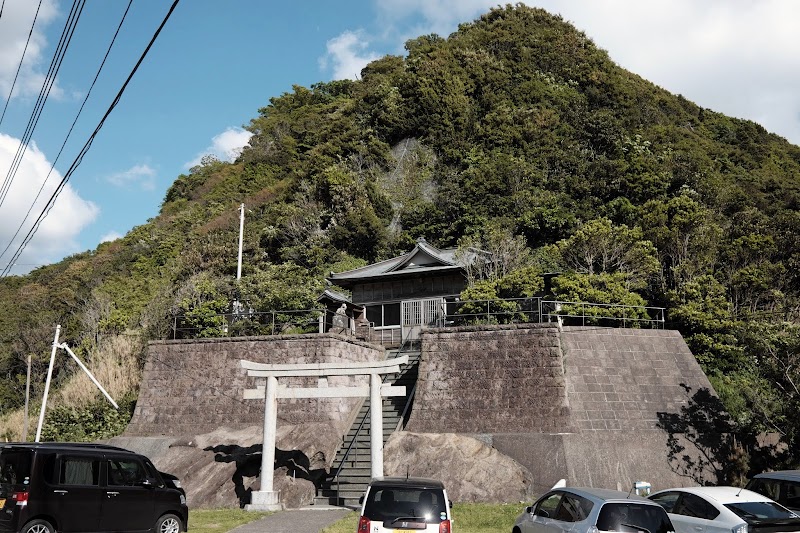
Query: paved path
(305, 520)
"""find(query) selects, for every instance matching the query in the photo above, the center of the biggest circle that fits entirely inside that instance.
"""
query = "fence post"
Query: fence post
(583, 314)
(273, 323)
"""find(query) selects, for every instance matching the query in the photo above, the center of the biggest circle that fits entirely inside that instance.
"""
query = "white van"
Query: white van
(391, 505)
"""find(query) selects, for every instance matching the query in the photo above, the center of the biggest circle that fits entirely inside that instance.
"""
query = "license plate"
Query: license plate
(405, 526)
(2, 502)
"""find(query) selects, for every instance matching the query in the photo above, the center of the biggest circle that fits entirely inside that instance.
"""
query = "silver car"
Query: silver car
(724, 510)
(588, 510)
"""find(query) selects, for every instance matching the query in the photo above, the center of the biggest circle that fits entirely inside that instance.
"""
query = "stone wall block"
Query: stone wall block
(197, 385)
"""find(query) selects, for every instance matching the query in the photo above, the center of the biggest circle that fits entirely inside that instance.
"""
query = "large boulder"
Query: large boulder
(221, 468)
(471, 470)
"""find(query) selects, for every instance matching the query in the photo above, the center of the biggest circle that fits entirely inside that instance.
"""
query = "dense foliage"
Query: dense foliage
(515, 121)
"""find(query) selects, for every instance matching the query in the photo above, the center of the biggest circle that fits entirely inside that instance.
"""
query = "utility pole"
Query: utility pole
(27, 401)
(241, 237)
(47, 383)
(56, 346)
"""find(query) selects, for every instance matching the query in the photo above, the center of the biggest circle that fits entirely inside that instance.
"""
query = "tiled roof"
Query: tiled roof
(423, 258)
(336, 296)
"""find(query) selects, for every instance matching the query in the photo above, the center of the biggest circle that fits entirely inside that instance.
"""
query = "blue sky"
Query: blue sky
(216, 63)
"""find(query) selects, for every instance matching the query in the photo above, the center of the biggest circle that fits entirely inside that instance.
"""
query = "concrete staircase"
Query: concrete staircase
(353, 460)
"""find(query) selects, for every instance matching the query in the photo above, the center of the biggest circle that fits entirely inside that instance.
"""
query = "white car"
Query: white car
(590, 510)
(400, 505)
(724, 510)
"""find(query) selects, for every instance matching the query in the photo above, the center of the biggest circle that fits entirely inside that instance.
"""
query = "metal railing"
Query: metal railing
(596, 314)
(539, 310)
(453, 313)
(246, 323)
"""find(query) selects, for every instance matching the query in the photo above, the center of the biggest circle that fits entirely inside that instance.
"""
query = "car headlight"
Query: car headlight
(742, 528)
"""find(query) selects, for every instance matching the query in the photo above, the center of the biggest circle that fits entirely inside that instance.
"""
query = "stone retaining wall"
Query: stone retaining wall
(196, 386)
(578, 403)
(491, 378)
(620, 379)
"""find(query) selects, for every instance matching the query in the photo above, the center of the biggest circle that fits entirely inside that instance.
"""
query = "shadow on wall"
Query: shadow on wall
(706, 445)
(248, 464)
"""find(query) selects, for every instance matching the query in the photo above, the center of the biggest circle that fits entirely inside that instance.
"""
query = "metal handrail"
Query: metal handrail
(335, 476)
(556, 305)
(347, 453)
(405, 407)
(514, 310)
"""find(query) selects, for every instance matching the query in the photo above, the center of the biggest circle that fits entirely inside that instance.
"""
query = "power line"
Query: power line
(69, 133)
(20, 61)
(86, 146)
(55, 65)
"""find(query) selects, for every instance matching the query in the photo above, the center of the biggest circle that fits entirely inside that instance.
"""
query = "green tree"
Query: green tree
(702, 313)
(607, 289)
(685, 235)
(202, 305)
(493, 254)
(600, 247)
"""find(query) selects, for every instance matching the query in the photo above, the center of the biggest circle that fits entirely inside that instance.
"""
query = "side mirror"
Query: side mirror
(529, 509)
(361, 499)
(450, 503)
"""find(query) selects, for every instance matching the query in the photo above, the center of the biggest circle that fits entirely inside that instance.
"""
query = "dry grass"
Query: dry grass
(113, 364)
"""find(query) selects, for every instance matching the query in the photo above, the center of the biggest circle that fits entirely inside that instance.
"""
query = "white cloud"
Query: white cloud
(56, 235)
(437, 16)
(111, 236)
(140, 175)
(16, 24)
(347, 54)
(738, 57)
(226, 146)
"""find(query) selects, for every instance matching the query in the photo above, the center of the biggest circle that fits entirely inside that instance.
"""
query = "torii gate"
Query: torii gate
(267, 498)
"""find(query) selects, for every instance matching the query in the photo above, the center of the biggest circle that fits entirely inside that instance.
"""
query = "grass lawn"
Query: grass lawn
(467, 518)
(219, 520)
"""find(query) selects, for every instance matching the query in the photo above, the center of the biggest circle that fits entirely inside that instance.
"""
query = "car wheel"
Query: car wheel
(38, 526)
(169, 523)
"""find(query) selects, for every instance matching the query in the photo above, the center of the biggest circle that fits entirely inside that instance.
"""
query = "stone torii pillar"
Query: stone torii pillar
(267, 499)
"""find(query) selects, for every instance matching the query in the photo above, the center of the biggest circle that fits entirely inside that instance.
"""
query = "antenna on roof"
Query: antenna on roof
(740, 491)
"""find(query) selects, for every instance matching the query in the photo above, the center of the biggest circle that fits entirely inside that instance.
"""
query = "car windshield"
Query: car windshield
(15, 466)
(760, 511)
(390, 503)
(633, 517)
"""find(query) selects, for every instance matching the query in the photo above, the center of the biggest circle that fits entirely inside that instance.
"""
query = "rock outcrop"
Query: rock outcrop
(471, 470)
(221, 468)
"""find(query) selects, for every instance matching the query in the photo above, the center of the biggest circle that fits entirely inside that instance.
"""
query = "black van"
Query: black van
(64, 487)
(782, 486)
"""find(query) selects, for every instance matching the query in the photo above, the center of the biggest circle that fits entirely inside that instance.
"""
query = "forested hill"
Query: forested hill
(516, 133)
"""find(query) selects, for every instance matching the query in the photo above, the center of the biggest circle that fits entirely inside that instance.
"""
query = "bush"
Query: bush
(97, 421)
